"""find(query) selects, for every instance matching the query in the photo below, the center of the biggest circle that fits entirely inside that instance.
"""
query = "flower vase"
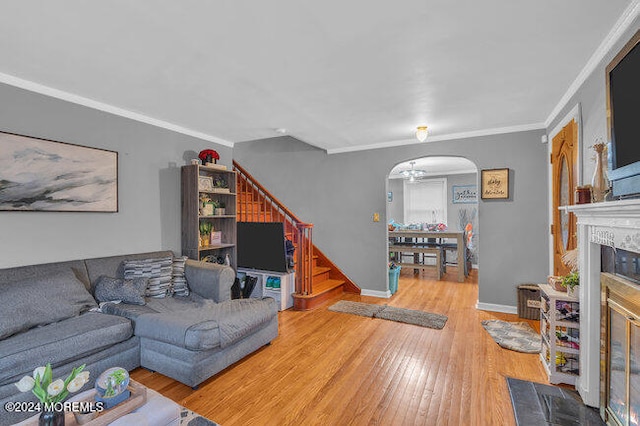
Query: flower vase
(600, 183)
(51, 418)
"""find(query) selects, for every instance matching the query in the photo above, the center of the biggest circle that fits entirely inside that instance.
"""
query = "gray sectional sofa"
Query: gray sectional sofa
(48, 314)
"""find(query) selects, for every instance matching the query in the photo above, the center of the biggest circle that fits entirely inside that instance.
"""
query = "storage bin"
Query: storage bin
(529, 301)
(394, 274)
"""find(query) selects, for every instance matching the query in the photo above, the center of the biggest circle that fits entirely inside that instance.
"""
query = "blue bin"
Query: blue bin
(394, 274)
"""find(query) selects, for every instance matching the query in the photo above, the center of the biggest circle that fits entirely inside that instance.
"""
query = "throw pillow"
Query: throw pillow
(158, 271)
(178, 280)
(42, 300)
(128, 291)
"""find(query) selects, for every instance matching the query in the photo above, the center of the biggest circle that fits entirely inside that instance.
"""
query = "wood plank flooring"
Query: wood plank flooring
(329, 368)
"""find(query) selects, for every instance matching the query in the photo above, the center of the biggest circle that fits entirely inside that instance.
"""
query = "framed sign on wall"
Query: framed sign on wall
(464, 194)
(495, 184)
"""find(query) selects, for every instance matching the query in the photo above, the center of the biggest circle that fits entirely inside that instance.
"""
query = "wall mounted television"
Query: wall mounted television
(261, 246)
(623, 119)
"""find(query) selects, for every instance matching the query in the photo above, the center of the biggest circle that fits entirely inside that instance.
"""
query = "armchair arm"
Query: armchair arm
(209, 280)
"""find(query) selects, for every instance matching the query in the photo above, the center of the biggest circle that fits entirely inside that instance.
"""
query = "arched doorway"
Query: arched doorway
(435, 192)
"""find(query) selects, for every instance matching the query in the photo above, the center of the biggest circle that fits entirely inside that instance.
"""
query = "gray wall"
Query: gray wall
(148, 183)
(395, 209)
(339, 194)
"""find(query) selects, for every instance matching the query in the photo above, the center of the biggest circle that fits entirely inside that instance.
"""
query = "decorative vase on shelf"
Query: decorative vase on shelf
(600, 183)
(51, 418)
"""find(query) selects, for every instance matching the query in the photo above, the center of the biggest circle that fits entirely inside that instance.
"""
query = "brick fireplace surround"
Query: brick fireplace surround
(616, 224)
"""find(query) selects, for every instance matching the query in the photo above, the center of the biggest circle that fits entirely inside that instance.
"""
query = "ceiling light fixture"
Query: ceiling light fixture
(413, 174)
(421, 133)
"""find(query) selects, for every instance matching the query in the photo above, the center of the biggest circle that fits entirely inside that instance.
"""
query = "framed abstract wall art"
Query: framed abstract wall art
(44, 175)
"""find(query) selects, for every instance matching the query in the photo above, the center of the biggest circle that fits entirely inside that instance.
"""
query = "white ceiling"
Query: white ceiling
(340, 75)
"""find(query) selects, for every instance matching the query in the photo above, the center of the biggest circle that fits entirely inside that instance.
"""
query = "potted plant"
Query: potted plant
(205, 233)
(112, 387)
(219, 208)
(208, 156)
(570, 282)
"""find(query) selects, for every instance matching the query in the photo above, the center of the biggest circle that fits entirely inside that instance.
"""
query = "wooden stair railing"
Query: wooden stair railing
(257, 204)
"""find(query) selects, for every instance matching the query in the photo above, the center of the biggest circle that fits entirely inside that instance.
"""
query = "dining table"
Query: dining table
(426, 235)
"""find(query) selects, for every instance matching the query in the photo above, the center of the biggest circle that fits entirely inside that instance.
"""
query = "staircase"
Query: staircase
(317, 278)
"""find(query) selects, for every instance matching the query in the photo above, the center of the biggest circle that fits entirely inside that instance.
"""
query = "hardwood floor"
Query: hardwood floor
(337, 369)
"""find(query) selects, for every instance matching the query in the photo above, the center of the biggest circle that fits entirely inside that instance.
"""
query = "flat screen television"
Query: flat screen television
(261, 245)
(623, 119)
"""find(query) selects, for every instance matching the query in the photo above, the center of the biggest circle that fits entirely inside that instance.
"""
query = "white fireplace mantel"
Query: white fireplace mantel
(617, 224)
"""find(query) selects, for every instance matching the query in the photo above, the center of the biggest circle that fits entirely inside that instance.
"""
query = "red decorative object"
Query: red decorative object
(208, 156)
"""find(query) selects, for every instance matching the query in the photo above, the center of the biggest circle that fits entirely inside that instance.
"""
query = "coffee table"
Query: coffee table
(156, 411)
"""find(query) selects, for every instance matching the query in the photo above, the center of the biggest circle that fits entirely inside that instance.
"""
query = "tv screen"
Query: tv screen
(261, 246)
(623, 104)
(624, 92)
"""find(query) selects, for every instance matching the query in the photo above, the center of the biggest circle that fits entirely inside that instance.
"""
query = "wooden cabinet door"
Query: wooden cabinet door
(564, 158)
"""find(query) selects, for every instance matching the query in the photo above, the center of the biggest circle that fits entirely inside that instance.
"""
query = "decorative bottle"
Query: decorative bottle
(600, 183)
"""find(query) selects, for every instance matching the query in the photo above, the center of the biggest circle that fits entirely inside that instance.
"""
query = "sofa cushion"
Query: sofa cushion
(158, 270)
(178, 280)
(60, 343)
(112, 266)
(42, 300)
(109, 289)
(209, 326)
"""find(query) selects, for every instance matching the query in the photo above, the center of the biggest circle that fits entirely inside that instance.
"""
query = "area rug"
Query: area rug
(536, 404)
(190, 418)
(517, 336)
(407, 316)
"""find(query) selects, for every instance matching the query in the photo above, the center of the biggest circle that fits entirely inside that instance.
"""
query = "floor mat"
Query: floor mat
(391, 313)
(517, 336)
(535, 404)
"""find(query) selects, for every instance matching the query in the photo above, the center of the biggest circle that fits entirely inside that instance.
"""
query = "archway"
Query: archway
(439, 194)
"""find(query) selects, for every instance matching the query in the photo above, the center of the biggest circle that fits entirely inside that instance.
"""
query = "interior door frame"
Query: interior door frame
(574, 114)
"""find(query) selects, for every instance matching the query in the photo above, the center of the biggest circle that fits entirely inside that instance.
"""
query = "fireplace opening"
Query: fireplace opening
(620, 337)
(621, 262)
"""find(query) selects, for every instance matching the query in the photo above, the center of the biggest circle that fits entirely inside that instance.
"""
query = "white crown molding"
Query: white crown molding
(81, 100)
(619, 28)
(497, 308)
(451, 136)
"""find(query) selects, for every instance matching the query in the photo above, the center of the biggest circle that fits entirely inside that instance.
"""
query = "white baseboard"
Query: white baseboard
(506, 309)
(375, 293)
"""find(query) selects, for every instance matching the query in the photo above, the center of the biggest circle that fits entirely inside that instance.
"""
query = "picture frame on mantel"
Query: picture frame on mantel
(494, 184)
(44, 175)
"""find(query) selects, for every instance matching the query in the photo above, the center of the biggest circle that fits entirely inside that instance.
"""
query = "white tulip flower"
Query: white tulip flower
(26, 384)
(55, 388)
(39, 372)
(84, 375)
(75, 384)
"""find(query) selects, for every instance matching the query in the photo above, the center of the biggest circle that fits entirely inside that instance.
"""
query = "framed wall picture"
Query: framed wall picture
(495, 184)
(43, 175)
(205, 183)
(464, 194)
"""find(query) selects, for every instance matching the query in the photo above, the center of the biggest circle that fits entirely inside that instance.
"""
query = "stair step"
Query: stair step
(323, 291)
(317, 270)
(327, 285)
